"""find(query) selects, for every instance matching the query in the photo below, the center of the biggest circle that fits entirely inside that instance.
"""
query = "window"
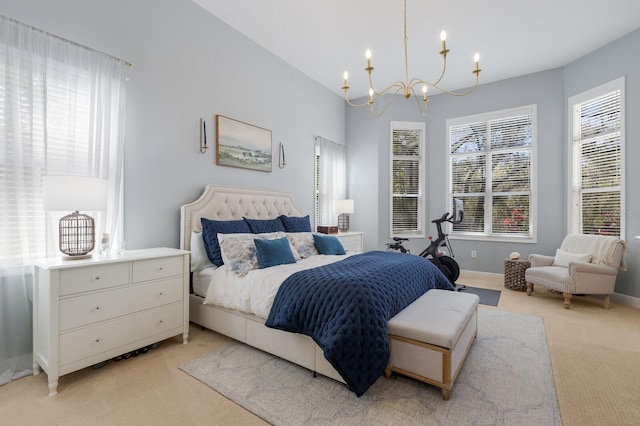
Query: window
(330, 179)
(407, 179)
(491, 167)
(61, 112)
(596, 138)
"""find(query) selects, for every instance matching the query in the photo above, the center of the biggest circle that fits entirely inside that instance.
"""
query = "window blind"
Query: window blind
(597, 159)
(407, 165)
(490, 170)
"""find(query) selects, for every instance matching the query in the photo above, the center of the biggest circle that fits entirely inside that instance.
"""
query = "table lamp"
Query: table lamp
(344, 208)
(74, 193)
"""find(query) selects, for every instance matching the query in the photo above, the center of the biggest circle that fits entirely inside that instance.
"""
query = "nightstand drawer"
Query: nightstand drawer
(107, 336)
(351, 243)
(91, 308)
(145, 270)
(91, 278)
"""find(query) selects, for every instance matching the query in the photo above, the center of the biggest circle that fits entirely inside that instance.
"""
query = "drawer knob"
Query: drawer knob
(97, 278)
(160, 322)
(160, 269)
(96, 341)
(97, 308)
(161, 294)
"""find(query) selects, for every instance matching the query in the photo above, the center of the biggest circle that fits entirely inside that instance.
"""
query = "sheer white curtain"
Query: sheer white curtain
(61, 113)
(331, 179)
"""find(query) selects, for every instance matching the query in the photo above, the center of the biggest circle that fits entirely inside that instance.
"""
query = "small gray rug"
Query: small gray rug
(506, 380)
(487, 296)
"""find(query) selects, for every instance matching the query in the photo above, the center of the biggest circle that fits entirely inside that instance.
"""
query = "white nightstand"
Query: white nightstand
(88, 311)
(351, 241)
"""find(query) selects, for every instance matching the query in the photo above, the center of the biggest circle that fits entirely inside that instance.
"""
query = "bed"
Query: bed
(219, 203)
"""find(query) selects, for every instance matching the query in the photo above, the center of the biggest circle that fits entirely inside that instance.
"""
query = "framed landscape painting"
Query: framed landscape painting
(242, 145)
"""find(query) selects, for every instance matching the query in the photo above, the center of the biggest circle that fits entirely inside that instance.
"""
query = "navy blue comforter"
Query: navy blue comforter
(345, 307)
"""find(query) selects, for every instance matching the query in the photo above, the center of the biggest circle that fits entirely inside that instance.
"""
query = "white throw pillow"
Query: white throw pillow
(199, 258)
(239, 250)
(563, 258)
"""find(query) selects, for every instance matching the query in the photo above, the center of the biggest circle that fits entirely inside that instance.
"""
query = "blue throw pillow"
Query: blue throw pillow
(273, 252)
(328, 244)
(263, 226)
(210, 231)
(296, 224)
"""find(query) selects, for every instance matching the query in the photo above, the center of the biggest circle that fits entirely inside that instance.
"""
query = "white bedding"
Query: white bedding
(254, 293)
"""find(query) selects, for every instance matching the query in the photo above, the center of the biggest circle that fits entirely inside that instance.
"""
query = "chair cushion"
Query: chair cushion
(554, 277)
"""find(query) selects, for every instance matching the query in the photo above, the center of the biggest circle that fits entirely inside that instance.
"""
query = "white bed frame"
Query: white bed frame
(229, 203)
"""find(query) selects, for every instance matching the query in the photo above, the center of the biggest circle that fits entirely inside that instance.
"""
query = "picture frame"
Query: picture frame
(242, 145)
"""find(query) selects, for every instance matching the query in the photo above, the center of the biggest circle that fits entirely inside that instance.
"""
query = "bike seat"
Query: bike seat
(400, 239)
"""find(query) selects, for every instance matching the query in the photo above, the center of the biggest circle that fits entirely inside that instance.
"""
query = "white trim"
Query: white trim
(617, 84)
(617, 298)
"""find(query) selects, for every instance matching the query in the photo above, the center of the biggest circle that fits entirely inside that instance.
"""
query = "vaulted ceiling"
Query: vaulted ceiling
(325, 38)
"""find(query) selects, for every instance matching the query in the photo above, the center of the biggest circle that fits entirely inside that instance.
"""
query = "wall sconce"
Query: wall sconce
(203, 137)
(75, 193)
(343, 208)
(281, 160)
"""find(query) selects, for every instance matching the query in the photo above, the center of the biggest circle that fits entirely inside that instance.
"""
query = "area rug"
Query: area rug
(487, 296)
(506, 379)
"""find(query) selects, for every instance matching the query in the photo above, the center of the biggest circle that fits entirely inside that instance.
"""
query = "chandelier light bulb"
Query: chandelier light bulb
(424, 89)
(443, 35)
(345, 75)
(367, 54)
(476, 57)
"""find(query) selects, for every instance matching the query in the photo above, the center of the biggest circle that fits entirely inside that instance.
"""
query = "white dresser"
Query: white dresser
(88, 311)
(351, 241)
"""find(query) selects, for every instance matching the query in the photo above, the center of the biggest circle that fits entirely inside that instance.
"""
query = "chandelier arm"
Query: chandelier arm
(346, 98)
(389, 101)
(444, 70)
(420, 102)
(450, 92)
(398, 85)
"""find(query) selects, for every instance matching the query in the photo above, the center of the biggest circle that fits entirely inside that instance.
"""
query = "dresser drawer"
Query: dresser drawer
(90, 341)
(91, 308)
(145, 270)
(93, 278)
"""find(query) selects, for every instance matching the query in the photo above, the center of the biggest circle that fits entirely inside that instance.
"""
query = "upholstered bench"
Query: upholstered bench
(431, 337)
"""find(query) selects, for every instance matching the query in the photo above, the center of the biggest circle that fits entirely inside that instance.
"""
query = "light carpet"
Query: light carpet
(506, 379)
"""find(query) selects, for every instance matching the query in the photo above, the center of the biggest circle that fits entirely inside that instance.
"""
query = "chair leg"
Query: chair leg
(529, 289)
(607, 298)
(567, 300)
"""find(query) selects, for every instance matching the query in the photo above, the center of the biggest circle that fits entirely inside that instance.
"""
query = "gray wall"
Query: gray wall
(368, 140)
(187, 64)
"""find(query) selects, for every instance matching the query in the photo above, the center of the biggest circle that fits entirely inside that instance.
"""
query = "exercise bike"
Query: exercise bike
(447, 265)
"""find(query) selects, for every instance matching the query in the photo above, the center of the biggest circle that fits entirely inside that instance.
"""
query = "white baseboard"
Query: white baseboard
(620, 299)
(623, 299)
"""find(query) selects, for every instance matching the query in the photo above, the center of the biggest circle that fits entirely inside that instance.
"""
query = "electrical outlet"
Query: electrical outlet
(474, 254)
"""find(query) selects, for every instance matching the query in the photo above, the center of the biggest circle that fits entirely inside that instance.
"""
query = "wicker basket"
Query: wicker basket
(514, 274)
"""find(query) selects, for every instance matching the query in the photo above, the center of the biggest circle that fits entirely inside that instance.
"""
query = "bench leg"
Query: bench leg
(529, 289)
(446, 393)
(387, 372)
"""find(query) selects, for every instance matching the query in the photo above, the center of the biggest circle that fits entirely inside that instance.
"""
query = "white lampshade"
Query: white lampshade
(74, 193)
(344, 206)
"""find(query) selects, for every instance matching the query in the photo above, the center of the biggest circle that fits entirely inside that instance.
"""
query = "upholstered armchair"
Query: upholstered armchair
(584, 264)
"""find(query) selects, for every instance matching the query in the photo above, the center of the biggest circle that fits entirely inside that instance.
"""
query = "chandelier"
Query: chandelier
(408, 87)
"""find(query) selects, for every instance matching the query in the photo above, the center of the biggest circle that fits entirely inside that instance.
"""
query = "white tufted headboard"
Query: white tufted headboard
(229, 203)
